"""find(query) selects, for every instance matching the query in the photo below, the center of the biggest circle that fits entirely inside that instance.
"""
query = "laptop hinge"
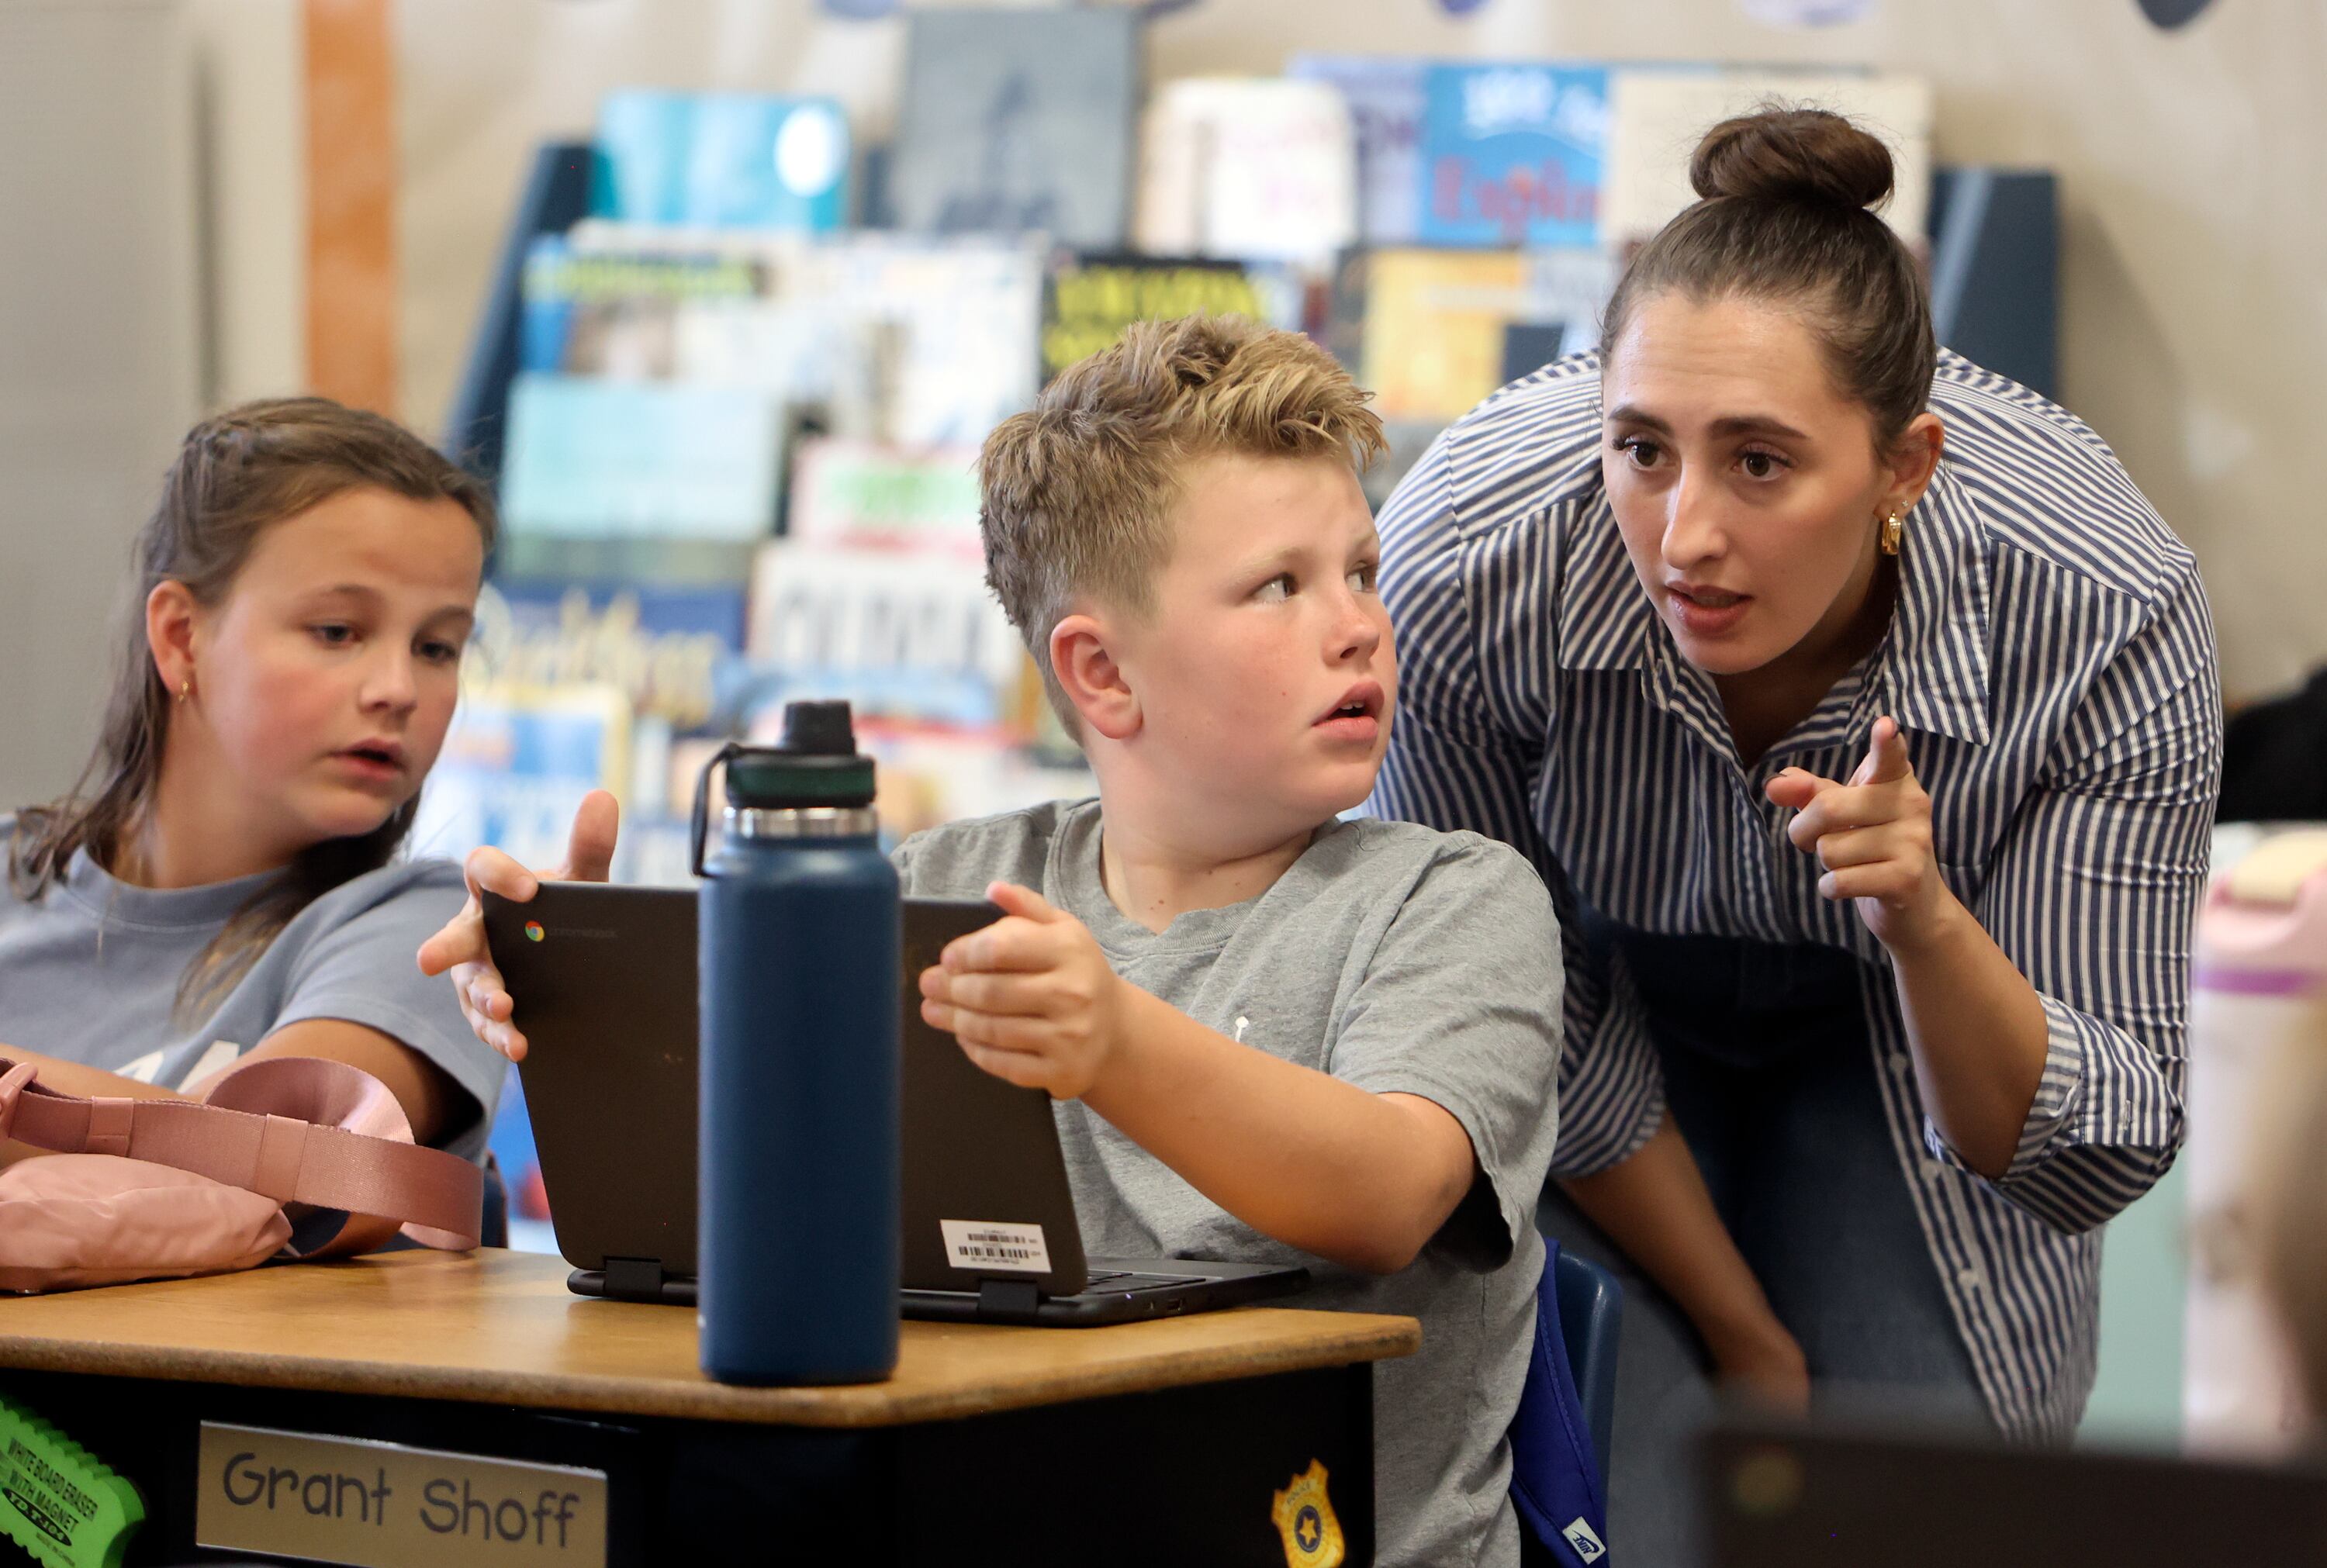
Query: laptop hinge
(634, 1279)
(1007, 1296)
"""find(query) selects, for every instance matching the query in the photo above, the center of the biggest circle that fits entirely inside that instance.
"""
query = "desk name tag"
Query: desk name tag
(381, 1505)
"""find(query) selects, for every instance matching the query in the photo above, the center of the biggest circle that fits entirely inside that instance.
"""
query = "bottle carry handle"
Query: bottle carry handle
(700, 824)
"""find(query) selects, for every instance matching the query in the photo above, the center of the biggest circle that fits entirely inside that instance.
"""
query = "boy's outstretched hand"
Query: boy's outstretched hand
(1031, 997)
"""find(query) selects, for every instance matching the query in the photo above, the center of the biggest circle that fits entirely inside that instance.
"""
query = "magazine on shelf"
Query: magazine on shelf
(956, 326)
(911, 636)
(1090, 299)
(613, 314)
(1512, 154)
(863, 495)
(887, 338)
(664, 648)
(594, 457)
(753, 161)
(1385, 95)
(1018, 121)
(1259, 168)
(1436, 322)
(904, 337)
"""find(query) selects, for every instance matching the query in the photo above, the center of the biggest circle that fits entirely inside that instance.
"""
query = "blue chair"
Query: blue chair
(1591, 1319)
(1560, 1434)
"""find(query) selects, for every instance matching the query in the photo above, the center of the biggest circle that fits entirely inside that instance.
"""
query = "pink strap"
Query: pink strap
(295, 1129)
(109, 1122)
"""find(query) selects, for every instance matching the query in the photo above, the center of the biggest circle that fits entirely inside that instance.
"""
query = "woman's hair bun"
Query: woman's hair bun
(1791, 154)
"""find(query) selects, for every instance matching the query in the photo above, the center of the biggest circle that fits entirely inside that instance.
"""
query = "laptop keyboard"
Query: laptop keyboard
(1113, 1281)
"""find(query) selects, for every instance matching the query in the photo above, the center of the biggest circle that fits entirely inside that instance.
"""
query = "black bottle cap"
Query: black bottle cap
(816, 763)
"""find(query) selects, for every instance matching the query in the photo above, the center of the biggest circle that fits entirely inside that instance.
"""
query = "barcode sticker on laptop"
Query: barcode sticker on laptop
(995, 1245)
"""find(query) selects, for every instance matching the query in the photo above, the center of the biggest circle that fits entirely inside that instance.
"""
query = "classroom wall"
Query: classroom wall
(152, 257)
(250, 93)
(2194, 322)
(99, 348)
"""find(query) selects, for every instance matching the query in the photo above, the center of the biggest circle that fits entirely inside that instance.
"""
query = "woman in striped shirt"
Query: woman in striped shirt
(1864, 719)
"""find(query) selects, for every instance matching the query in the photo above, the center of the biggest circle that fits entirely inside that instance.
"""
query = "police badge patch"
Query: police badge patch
(1304, 1518)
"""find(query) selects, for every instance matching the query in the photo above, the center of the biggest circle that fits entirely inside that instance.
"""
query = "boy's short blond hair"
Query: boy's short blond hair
(1076, 494)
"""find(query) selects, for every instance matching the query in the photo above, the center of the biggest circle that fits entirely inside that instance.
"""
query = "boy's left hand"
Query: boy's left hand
(1031, 997)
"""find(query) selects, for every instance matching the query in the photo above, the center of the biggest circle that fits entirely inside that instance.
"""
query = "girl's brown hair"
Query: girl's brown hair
(236, 476)
(1786, 217)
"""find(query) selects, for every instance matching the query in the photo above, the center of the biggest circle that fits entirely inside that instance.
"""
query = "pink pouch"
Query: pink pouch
(161, 1189)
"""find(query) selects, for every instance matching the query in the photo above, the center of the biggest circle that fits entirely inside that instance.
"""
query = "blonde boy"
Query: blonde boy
(1272, 1036)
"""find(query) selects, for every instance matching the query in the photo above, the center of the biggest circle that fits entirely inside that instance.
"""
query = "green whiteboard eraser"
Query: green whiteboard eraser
(59, 1501)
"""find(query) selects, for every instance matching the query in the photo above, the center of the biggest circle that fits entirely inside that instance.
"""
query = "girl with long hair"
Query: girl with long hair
(225, 881)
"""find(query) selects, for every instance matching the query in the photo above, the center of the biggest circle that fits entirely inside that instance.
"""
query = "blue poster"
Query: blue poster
(1512, 154)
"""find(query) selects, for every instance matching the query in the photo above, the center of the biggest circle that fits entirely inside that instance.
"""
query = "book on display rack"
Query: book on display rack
(1436, 324)
(1089, 299)
(1387, 97)
(1512, 154)
(870, 496)
(1247, 168)
(1017, 121)
(721, 160)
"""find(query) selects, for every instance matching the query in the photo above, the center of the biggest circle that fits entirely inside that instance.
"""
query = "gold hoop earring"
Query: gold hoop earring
(1893, 531)
(185, 689)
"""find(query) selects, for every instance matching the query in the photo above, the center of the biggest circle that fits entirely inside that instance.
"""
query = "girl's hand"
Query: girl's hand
(461, 947)
(1031, 997)
(1874, 836)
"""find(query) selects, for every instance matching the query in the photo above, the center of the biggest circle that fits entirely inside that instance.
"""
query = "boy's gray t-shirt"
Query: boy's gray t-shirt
(89, 973)
(1396, 958)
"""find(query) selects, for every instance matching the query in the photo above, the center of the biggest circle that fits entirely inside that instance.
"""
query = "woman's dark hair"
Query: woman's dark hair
(1785, 218)
(236, 476)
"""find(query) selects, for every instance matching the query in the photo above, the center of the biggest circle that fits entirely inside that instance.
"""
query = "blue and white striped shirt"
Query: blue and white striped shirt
(2051, 662)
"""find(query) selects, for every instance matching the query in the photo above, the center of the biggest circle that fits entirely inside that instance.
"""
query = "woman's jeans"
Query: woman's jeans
(1770, 1076)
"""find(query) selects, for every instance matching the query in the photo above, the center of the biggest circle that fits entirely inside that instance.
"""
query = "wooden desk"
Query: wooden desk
(1158, 1442)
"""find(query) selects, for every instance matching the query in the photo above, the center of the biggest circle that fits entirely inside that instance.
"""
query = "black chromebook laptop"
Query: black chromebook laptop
(605, 982)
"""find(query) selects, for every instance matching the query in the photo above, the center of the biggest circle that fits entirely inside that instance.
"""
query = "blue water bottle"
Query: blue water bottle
(797, 1195)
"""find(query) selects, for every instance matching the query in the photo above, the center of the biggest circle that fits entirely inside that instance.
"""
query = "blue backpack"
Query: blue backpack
(1555, 1483)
